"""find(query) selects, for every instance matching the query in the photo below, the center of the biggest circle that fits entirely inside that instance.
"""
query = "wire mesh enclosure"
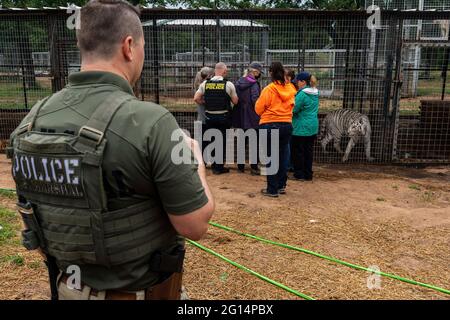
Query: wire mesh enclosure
(395, 74)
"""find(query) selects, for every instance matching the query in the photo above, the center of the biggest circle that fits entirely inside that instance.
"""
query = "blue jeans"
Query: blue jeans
(277, 181)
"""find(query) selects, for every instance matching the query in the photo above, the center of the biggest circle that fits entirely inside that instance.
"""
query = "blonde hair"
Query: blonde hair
(313, 81)
(248, 71)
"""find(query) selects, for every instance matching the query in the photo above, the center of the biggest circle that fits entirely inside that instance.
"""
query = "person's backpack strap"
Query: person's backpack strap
(91, 134)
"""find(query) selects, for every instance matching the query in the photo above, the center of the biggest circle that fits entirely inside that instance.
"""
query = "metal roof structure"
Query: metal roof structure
(207, 22)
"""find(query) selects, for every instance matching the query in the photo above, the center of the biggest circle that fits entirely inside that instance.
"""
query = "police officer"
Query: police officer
(98, 189)
(216, 95)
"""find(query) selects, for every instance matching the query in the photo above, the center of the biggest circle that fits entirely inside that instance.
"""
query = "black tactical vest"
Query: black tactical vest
(60, 175)
(216, 96)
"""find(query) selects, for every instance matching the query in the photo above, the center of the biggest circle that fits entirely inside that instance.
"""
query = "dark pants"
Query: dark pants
(302, 156)
(289, 157)
(221, 122)
(277, 181)
(254, 166)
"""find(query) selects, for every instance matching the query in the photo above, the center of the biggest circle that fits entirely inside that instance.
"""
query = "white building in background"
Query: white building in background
(439, 5)
(417, 34)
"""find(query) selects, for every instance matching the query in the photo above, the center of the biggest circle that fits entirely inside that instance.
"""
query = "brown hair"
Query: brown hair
(105, 24)
(277, 72)
(290, 73)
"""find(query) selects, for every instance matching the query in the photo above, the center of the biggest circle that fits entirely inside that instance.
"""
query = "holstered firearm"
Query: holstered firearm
(171, 265)
(169, 289)
(32, 239)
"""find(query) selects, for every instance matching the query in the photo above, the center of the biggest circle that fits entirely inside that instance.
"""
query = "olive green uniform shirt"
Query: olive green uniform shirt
(137, 162)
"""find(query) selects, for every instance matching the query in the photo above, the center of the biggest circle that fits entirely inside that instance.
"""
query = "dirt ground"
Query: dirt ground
(394, 218)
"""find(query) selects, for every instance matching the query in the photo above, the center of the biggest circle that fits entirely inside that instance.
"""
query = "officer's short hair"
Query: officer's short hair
(105, 24)
(220, 65)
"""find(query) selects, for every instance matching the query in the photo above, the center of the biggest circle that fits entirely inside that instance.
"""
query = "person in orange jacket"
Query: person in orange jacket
(274, 107)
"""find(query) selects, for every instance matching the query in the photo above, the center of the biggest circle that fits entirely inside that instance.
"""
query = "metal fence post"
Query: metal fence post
(445, 66)
(155, 60)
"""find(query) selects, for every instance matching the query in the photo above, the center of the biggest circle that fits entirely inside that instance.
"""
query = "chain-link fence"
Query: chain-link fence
(396, 73)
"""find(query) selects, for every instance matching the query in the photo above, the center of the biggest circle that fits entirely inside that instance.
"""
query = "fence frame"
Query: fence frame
(392, 77)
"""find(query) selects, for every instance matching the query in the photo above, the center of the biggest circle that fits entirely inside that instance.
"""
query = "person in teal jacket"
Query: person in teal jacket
(305, 124)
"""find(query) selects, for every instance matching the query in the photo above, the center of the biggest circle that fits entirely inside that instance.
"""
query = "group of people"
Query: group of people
(289, 104)
(95, 178)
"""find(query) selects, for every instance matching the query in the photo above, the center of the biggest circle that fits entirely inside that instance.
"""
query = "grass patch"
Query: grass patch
(10, 194)
(395, 187)
(15, 259)
(414, 187)
(35, 265)
(9, 225)
(12, 94)
(429, 196)
(435, 89)
(224, 276)
(381, 199)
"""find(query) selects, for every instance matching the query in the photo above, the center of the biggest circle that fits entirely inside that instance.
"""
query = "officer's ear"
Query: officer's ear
(127, 48)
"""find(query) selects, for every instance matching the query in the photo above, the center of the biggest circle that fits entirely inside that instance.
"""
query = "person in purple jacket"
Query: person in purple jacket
(248, 90)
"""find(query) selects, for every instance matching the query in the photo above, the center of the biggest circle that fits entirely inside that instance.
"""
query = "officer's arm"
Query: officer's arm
(194, 225)
(198, 97)
(231, 90)
(235, 100)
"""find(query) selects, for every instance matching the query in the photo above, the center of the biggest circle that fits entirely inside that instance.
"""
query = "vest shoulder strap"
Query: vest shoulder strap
(91, 134)
(33, 114)
(26, 127)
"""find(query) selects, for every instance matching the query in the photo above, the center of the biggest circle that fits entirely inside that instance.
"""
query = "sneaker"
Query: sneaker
(224, 170)
(282, 191)
(267, 194)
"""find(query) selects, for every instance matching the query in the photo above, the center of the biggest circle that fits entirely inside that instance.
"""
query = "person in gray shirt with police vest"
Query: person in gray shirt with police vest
(216, 95)
(98, 187)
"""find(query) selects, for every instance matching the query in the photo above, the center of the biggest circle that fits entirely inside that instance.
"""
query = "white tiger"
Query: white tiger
(342, 122)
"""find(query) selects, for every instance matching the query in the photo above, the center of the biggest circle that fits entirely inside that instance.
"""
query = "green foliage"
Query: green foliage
(35, 264)
(15, 259)
(245, 4)
(9, 226)
(10, 194)
(41, 3)
(221, 4)
(414, 187)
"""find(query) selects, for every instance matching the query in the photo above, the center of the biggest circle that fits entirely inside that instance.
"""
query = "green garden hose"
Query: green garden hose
(260, 276)
(351, 265)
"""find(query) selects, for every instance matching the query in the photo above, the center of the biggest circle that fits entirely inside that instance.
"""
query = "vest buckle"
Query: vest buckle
(91, 134)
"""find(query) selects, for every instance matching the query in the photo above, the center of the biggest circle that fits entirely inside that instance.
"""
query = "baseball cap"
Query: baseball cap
(302, 76)
(257, 66)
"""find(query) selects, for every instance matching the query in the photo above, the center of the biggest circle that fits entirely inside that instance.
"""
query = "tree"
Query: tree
(194, 4)
(245, 4)
(55, 3)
